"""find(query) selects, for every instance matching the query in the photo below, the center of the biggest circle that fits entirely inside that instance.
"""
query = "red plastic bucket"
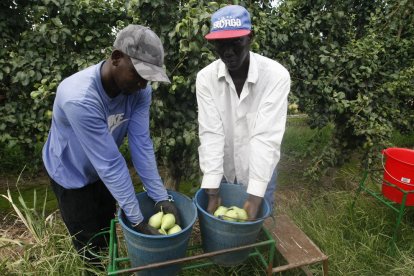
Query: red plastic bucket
(399, 171)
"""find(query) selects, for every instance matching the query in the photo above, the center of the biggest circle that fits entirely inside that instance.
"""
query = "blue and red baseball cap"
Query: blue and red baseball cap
(230, 22)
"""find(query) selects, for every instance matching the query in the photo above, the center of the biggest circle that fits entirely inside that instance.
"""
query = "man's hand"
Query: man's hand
(168, 207)
(214, 200)
(252, 205)
(144, 228)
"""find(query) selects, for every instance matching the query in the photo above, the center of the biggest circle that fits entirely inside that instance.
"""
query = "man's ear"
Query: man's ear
(116, 56)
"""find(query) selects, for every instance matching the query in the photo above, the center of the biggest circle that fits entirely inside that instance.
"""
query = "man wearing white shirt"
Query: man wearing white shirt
(242, 105)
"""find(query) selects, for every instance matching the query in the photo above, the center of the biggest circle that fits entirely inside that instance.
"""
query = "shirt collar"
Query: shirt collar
(252, 76)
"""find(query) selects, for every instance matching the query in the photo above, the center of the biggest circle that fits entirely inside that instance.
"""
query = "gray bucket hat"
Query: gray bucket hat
(145, 49)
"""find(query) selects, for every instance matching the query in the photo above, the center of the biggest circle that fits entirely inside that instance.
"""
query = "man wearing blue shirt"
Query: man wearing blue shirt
(93, 111)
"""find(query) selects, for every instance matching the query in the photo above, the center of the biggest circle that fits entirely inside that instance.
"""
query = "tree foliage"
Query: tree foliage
(44, 42)
(351, 63)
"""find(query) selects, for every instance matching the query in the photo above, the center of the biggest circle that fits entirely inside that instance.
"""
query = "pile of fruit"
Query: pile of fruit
(232, 213)
(165, 223)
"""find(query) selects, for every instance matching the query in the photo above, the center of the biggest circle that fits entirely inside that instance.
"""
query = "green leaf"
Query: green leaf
(56, 21)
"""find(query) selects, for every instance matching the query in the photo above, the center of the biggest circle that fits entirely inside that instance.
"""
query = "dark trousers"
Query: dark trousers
(85, 212)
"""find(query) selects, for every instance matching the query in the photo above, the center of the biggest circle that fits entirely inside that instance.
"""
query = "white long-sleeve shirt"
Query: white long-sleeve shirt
(240, 137)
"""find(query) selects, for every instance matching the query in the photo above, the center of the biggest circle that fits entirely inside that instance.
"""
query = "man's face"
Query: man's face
(128, 80)
(233, 52)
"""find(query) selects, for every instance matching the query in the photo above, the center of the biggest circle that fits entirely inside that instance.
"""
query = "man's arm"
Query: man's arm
(211, 135)
(142, 149)
(143, 156)
(211, 150)
(266, 138)
(91, 129)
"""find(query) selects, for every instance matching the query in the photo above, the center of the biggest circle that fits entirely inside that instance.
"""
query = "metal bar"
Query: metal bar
(400, 215)
(111, 246)
(260, 255)
(386, 182)
(255, 254)
(380, 198)
(123, 259)
(361, 186)
(271, 258)
(272, 248)
(299, 264)
(191, 258)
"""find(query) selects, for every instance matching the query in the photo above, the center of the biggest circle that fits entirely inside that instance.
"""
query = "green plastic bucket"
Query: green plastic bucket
(218, 234)
(146, 249)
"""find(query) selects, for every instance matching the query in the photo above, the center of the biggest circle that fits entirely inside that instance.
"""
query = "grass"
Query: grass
(28, 193)
(41, 245)
(356, 240)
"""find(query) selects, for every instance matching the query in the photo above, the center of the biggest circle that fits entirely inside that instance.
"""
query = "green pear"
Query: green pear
(168, 221)
(155, 220)
(221, 210)
(242, 215)
(175, 229)
(162, 231)
(231, 215)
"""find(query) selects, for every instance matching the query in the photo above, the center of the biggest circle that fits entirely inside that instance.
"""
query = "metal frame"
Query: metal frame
(370, 174)
(114, 259)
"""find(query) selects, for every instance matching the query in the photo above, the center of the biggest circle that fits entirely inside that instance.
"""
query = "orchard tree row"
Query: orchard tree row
(351, 63)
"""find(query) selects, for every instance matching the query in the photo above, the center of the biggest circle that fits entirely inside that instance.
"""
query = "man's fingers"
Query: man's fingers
(213, 203)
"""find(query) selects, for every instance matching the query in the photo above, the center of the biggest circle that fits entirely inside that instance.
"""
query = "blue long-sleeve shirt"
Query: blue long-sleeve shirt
(87, 129)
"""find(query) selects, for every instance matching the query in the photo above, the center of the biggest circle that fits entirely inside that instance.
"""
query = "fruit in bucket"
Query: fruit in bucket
(155, 220)
(221, 210)
(242, 214)
(175, 229)
(232, 213)
(168, 221)
(165, 223)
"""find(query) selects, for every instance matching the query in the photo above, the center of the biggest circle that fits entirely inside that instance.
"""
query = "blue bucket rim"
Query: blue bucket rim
(124, 226)
(232, 222)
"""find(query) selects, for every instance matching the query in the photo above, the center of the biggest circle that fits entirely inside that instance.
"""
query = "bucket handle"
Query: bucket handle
(89, 243)
(383, 166)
